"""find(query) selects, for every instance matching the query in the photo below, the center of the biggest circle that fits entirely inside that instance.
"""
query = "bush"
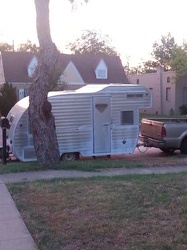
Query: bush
(183, 109)
(7, 98)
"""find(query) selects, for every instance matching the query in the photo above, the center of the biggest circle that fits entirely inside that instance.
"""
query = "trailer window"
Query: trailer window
(136, 95)
(127, 118)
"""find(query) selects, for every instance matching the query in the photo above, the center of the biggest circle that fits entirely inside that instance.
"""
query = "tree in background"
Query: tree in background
(179, 61)
(93, 43)
(28, 47)
(6, 47)
(8, 98)
(133, 70)
(41, 118)
(162, 54)
(168, 55)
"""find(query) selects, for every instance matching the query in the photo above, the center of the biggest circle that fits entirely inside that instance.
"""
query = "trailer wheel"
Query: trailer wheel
(183, 148)
(70, 156)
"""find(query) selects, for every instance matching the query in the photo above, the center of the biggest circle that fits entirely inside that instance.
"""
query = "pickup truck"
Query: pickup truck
(167, 134)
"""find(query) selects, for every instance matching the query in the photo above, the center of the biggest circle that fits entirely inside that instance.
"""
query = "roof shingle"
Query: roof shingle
(15, 67)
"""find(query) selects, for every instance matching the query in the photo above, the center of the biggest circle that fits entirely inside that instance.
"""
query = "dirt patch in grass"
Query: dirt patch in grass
(127, 212)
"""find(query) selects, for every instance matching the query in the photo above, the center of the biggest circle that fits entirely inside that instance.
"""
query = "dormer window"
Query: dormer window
(102, 74)
(101, 70)
(32, 66)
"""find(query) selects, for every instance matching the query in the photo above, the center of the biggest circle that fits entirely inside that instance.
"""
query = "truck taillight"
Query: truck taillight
(163, 132)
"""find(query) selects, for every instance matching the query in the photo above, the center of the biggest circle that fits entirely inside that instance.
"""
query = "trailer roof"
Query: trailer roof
(90, 88)
(96, 88)
(93, 88)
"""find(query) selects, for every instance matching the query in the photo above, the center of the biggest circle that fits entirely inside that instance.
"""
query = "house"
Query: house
(75, 71)
(167, 95)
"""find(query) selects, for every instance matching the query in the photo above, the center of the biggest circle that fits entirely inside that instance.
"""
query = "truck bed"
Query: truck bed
(153, 127)
(164, 133)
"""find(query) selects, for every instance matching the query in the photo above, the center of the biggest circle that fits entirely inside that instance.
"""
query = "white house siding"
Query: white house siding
(71, 75)
(158, 84)
(21, 88)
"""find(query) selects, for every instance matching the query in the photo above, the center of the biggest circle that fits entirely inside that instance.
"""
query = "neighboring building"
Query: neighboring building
(75, 71)
(167, 95)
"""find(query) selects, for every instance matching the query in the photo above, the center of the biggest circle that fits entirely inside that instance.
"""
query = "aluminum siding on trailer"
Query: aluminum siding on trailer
(17, 134)
(73, 119)
(21, 137)
(123, 133)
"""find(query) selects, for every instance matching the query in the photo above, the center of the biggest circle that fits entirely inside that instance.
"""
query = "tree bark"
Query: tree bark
(41, 118)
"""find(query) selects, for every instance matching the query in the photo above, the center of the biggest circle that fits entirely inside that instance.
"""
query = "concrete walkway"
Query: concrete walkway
(49, 174)
(14, 234)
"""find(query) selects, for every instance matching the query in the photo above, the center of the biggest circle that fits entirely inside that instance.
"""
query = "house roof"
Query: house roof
(15, 67)
(86, 65)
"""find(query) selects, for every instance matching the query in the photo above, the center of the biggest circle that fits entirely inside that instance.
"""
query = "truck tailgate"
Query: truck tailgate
(151, 128)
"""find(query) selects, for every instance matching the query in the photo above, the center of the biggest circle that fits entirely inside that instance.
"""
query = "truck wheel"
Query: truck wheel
(183, 148)
(70, 156)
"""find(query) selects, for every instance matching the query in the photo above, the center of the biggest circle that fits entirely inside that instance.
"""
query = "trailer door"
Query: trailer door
(102, 125)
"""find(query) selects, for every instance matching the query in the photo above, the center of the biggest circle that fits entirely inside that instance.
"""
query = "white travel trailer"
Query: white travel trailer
(95, 120)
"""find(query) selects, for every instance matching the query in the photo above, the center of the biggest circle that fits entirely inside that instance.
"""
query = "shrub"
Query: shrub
(183, 109)
(7, 98)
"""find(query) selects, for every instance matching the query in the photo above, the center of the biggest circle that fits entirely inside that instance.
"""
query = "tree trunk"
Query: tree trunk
(41, 118)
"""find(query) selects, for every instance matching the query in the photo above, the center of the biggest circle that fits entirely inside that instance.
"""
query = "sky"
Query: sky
(133, 26)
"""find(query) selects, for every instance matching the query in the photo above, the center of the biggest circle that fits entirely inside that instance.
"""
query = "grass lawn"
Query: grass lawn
(124, 212)
(120, 161)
